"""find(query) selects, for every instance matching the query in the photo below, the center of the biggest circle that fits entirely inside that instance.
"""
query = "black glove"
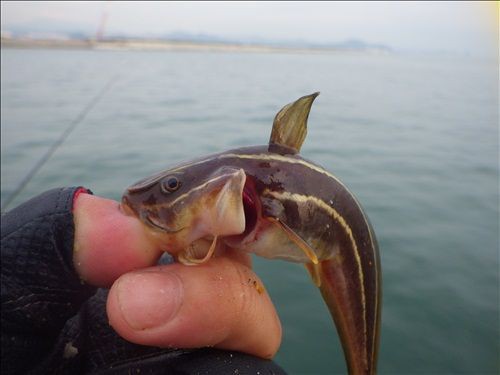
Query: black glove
(52, 323)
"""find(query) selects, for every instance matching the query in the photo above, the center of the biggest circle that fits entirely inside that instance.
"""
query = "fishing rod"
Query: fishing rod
(62, 138)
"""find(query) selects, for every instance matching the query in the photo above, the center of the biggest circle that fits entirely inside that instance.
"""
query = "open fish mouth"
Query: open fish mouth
(250, 207)
(252, 211)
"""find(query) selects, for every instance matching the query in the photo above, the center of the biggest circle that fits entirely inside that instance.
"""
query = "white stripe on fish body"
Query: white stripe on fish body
(299, 198)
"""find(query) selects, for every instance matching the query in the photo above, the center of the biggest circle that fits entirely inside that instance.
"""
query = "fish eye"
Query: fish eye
(170, 184)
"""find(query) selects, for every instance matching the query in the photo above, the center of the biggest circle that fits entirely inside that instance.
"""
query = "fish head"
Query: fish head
(183, 205)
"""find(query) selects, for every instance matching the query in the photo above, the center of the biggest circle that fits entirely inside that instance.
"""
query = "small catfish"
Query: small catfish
(270, 201)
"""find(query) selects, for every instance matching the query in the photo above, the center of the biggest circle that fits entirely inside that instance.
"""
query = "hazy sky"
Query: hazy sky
(463, 27)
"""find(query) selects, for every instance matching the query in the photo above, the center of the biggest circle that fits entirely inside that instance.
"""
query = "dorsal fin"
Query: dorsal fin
(290, 125)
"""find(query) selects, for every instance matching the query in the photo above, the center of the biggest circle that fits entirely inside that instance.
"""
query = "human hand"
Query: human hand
(215, 304)
(59, 246)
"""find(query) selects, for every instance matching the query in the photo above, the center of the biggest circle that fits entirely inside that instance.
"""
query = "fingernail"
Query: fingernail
(149, 299)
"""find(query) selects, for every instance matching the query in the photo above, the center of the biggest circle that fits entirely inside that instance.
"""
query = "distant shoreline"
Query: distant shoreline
(170, 45)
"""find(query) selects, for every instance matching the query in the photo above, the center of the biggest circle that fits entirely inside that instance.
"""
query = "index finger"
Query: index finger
(108, 243)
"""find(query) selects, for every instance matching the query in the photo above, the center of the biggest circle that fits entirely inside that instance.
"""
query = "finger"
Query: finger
(221, 303)
(108, 243)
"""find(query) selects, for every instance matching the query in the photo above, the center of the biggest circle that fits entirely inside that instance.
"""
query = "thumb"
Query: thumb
(221, 303)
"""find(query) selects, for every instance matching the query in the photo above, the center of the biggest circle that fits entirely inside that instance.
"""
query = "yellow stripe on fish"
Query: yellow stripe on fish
(336, 216)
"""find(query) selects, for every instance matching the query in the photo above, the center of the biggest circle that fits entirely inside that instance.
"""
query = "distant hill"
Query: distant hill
(51, 30)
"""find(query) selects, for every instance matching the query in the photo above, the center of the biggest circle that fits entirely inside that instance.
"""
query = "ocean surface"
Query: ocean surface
(415, 139)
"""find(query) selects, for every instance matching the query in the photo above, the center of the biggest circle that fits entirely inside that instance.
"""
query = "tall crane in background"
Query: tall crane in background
(102, 25)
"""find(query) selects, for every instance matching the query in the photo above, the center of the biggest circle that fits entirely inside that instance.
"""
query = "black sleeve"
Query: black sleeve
(52, 323)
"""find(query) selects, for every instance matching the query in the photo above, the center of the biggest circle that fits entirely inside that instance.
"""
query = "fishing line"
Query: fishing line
(64, 135)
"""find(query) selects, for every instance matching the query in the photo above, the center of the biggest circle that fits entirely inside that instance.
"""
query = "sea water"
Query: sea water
(414, 137)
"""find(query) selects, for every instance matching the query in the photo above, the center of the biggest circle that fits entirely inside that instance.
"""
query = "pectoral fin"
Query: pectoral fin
(290, 125)
(295, 238)
(315, 272)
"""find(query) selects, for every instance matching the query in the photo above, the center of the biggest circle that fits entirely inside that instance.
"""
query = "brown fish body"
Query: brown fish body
(270, 201)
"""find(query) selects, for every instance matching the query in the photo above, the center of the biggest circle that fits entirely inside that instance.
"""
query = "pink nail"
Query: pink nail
(149, 299)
